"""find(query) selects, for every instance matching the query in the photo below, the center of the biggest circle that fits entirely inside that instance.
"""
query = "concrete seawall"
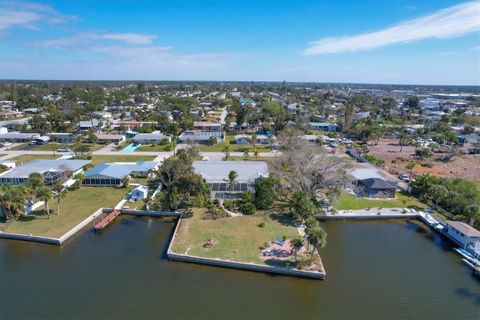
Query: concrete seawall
(368, 217)
(238, 265)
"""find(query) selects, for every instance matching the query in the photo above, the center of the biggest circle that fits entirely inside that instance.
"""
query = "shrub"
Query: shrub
(261, 225)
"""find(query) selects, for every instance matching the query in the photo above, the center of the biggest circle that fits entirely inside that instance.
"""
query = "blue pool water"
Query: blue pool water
(131, 147)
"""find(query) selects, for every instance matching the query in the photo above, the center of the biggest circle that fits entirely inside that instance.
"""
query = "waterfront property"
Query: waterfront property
(216, 173)
(110, 138)
(375, 188)
(113, 174)
(74, 208)
(461, 233)
(151, 138)
(348, 201)
(52, 171)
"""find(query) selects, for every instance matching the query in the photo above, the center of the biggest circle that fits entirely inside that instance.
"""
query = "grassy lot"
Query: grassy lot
(96, 159)
(351, 202)
(218, 147)
(139, 180)
(29, 157)
(51, 147)
(250, 158)
(74, 208)
(237, 238)
(153, 147)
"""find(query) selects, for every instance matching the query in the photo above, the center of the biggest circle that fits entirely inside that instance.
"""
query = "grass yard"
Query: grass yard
(51, 147)
(96, 159)
(250, 158)
(348, 201)
(29, 157)
(154, 147)
(237, 239)
(74, 208)
(218, 147)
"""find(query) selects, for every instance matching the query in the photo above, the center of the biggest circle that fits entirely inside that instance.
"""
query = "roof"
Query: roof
(199, 135)
(206, 124)
(464, 228)
(217, 171)
(88, 123)
(109, 136)
(19, 135)
(120, 170)
(150, 136)
(41, 166)
(376, 183)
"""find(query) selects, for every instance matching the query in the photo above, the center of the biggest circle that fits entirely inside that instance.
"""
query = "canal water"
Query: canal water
(374, 270)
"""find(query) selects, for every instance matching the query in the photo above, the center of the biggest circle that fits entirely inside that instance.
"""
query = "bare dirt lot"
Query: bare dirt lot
(464, 166)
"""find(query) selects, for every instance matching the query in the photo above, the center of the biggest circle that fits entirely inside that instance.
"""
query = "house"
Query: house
(375, 188)
(151, 138)
(215, 174)
(139, 193)
(41, 140)
(113, 174)
(461, 233)
(310, 139)
(264, 139)
(200, 137)
(324, 126)
(93, 124)
(52, 171)
(243, 139)
(18, 137)
(207, 126)
(110, 138)
(61, 137)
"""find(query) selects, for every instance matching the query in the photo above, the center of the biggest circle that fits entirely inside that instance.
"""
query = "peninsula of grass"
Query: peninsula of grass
(235, 238)
(96, 159)
(351, 202)
(74, 208)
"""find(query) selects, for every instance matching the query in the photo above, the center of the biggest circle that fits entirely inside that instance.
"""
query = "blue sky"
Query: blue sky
(370, 41)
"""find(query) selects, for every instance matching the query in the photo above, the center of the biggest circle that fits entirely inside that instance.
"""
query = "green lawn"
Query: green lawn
(96, 159)
(351, 202)
(29, 157)
(153, 148)
(218, 147)
(74, 208)
(237, 239)
(51, 147)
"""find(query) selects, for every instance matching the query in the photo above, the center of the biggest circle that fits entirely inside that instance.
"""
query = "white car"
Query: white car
(64, 149)
(404, 177)
(5, 144)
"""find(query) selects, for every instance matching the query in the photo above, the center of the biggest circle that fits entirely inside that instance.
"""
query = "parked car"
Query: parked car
(64, 149)
(404, 177)
(5, 144)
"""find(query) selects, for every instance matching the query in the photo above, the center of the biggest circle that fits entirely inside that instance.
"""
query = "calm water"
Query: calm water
(375, 270)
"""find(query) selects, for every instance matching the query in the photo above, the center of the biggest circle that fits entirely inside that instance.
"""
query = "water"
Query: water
(374, 270)
(131, 147)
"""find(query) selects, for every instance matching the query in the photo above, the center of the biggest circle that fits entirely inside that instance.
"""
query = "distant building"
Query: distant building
(243, 139)
(18, 137)
(139, 193)
(376, 188)
(216, 173)
(151, 138)
(110, 138)
(324, 126)
(200, 137)
(207, 126)
(93, 124)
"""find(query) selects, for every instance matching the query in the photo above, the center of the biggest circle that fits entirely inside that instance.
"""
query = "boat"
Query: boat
(439, 227)
(429, 220)
(467, 255)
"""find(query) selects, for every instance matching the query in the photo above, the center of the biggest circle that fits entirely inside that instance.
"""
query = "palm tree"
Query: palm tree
(297, 244)
(227, 149)
(12, 200)
(232, 178)
(34, 182)
(254, 140)
(59, 192)
(44, 194)
(255, 152)
(317, 237)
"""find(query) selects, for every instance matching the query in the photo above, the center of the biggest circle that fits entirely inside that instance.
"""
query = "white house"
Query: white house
(462, 233)
(243, 139)
(151, 138)
(139, 193)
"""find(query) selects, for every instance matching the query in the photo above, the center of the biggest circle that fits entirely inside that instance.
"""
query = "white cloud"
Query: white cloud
(447, 23)
(89, 38)
(28, 15)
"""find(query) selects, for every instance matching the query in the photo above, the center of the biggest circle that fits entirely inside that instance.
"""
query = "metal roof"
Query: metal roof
(119, 170)
(464, 228)
(217, 171)
(41, 166)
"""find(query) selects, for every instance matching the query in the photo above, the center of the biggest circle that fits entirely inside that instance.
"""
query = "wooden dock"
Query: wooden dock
(106, 220)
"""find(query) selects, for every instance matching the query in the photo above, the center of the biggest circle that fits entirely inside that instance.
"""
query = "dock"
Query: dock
(475, 268)
(106, 220)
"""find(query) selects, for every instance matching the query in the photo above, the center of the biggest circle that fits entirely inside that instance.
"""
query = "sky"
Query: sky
(357, 41)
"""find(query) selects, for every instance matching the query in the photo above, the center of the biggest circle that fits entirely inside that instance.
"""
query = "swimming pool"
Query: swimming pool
(131, 147)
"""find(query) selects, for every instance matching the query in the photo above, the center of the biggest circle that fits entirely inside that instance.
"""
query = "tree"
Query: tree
(317, 237)
(410, 165)
(12, 200)
(297, 244)
(422, 185)
(232, 179)
(227, 149)
(473, 212)
(255, 152)
(44, 194)
(34, 182)
(403, 139)
(265, 192)
(438, 193)
(301, 206)
(59, 192)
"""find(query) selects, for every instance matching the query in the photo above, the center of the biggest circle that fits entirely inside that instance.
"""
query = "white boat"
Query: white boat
(429, 220)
